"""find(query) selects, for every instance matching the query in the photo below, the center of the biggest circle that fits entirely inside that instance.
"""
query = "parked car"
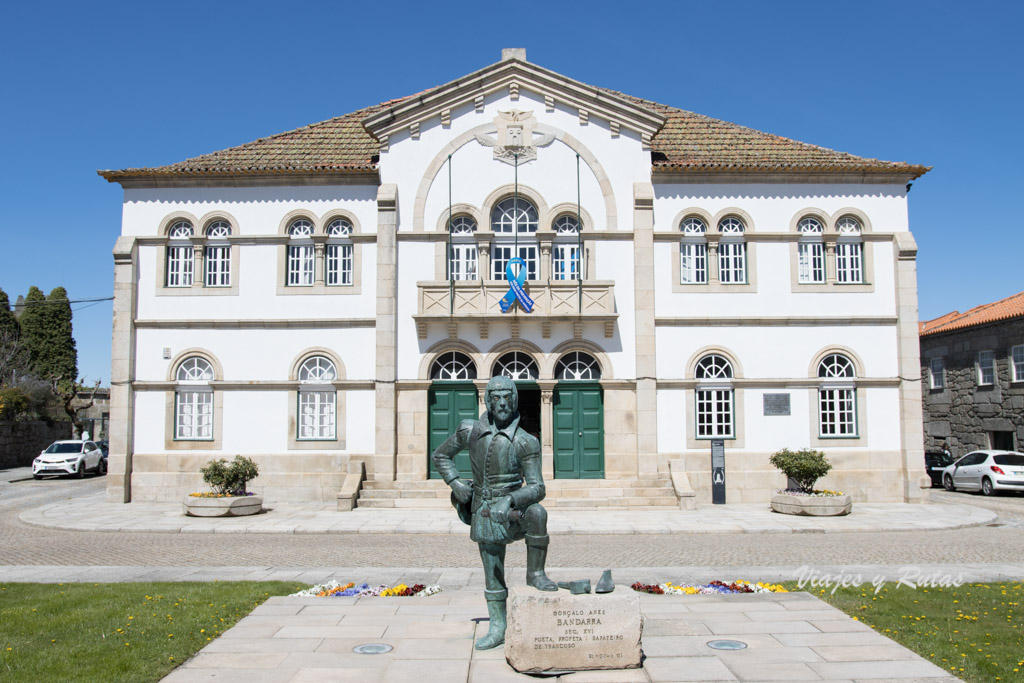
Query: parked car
(986, 471)
(69, 457)
(935, 463)
(105, 447)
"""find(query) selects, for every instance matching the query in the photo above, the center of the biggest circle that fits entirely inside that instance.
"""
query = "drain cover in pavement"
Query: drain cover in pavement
(372, 649)
(727, 644)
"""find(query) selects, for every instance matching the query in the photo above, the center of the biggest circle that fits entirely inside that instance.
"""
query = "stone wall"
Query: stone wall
(20, 442)
(964, 414)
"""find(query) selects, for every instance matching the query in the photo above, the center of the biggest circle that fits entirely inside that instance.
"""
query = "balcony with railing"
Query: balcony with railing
(476, 302)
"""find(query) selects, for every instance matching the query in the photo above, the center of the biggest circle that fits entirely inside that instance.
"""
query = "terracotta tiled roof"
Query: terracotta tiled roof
(688, 142)
(1010, 307)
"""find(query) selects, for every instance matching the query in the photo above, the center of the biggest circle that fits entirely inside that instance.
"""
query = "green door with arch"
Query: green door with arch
(578, 430)
(448, 404)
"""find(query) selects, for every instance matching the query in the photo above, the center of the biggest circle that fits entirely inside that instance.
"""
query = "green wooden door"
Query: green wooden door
(578, 440)
(450, 403)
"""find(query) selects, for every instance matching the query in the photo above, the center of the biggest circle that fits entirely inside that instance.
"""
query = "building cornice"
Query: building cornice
(258, 324)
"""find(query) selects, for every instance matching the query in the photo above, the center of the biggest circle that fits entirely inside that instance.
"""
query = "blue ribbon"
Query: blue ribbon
(515, 291)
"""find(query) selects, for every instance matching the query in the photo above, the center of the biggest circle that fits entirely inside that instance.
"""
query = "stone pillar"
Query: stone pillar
(547, 425)
(544, 272)
(830, 263)
(121, 431)
(319, 260)
(646, 370)
(908, 344)
(712, 262)
(386, 332)
(198, 259)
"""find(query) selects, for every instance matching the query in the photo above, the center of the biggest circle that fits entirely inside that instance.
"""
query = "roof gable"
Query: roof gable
(1004, 309)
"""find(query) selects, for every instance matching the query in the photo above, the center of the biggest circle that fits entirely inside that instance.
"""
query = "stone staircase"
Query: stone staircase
(576, 494)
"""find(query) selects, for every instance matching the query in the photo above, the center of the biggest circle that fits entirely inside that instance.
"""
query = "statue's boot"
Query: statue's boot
(536, 555)
(605, 584)
(496, 611)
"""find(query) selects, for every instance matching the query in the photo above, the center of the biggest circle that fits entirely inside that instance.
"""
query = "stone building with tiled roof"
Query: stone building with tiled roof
(973, 369)
(331, 300)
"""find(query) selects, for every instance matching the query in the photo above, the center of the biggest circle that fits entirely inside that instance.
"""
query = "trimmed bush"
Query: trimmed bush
(230, 478)
(804, 466)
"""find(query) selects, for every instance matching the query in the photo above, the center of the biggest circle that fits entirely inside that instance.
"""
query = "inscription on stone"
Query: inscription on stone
(573, 632)
(776, 404)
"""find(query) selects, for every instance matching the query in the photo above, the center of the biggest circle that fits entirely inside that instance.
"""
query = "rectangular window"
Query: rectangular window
(463, 262)
(938, 373)
(565, 261)
(193, 415)
(316, 415)
(849, 263)
(693, 263)
(714, 413)
(300, 265)
(339, 264)
(1017, 356)
(180, 264)
(811, 259)
(732, 263)
(837, 412)
(218, 266)
(986, 368)
(501, 254)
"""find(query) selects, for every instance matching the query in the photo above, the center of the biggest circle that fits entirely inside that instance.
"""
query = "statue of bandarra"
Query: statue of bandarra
(502, 502)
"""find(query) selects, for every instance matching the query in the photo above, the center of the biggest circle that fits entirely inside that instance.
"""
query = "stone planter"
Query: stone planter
(813, 506)
(236, 506)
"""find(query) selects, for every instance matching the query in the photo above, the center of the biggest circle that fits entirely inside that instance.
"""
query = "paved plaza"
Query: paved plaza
(61, 530)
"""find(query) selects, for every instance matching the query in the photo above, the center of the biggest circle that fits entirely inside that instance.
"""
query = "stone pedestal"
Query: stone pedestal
(237, 506)
(564, 632)
(814, 506)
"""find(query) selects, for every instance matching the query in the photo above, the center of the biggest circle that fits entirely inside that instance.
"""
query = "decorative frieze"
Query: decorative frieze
(478, 103)
(545, 330)
(446, 118)
(513, 91)
(584, 117)
(549, 103)
(613, 126)
(414, 130)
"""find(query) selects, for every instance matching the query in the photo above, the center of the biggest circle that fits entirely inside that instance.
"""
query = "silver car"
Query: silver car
(69, 457)
(986, 471)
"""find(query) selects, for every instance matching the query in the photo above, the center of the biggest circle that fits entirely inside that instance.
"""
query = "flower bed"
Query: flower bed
(817, 503)
(221, 506)
(712, 588)
(816, 493)
(334, 589)
(211, 494)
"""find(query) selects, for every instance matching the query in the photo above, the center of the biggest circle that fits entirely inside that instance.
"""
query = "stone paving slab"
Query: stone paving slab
(93, 513)
(439, 644)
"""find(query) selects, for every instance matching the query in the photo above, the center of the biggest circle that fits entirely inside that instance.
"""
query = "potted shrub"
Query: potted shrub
(229, 497)
(803, 468)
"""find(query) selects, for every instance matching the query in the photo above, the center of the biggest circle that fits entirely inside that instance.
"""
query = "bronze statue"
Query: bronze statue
(502, 502)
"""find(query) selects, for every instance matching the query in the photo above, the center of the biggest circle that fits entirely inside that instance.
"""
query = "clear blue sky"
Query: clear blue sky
(111, 85)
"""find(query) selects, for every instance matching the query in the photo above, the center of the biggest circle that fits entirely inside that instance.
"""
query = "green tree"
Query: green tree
(46, 336)
(11, 352)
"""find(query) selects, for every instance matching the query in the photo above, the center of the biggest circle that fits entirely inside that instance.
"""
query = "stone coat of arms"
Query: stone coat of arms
(517, 139)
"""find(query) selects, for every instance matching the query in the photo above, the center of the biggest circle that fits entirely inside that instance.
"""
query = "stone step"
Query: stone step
(632, 501)
(375, 503)
(378, 493)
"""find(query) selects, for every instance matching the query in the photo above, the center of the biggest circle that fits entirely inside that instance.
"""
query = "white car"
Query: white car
(69, 457)
(986, 471)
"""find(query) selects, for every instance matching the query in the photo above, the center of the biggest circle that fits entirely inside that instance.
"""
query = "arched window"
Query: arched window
(514, 223)
(714, 398)
(849, 251)
(180, 255)
(339, 265)
(300, 253)
(693, 252)
(811, 251)
(516, 365)
(193, 400)
(577, 366)
(837, 397)
(453, 366)
(464, 255)
(565, 252)
(317, 400)
(732, 252)
(218, 255)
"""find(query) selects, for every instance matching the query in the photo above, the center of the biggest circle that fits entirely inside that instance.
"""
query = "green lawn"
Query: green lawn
(976, 631)
(116, 631)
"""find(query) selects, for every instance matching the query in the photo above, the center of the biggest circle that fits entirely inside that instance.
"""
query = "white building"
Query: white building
(290, 300)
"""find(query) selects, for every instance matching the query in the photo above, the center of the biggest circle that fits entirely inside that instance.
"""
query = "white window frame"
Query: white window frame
(180, 256)
(837, 398)
(464, 254)
(1017, 363)
(565, 261)
(501, 254)
(339, 256)
(317, 401)
(301, 254)
(986, 368)
(193, 400)
(714, 399)
(453, 366)
(217, 255)
(937, 373)
(516, 365)
(849, 252)
(578, 367)
(693, 252)
(732, 252)
(811, 252)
